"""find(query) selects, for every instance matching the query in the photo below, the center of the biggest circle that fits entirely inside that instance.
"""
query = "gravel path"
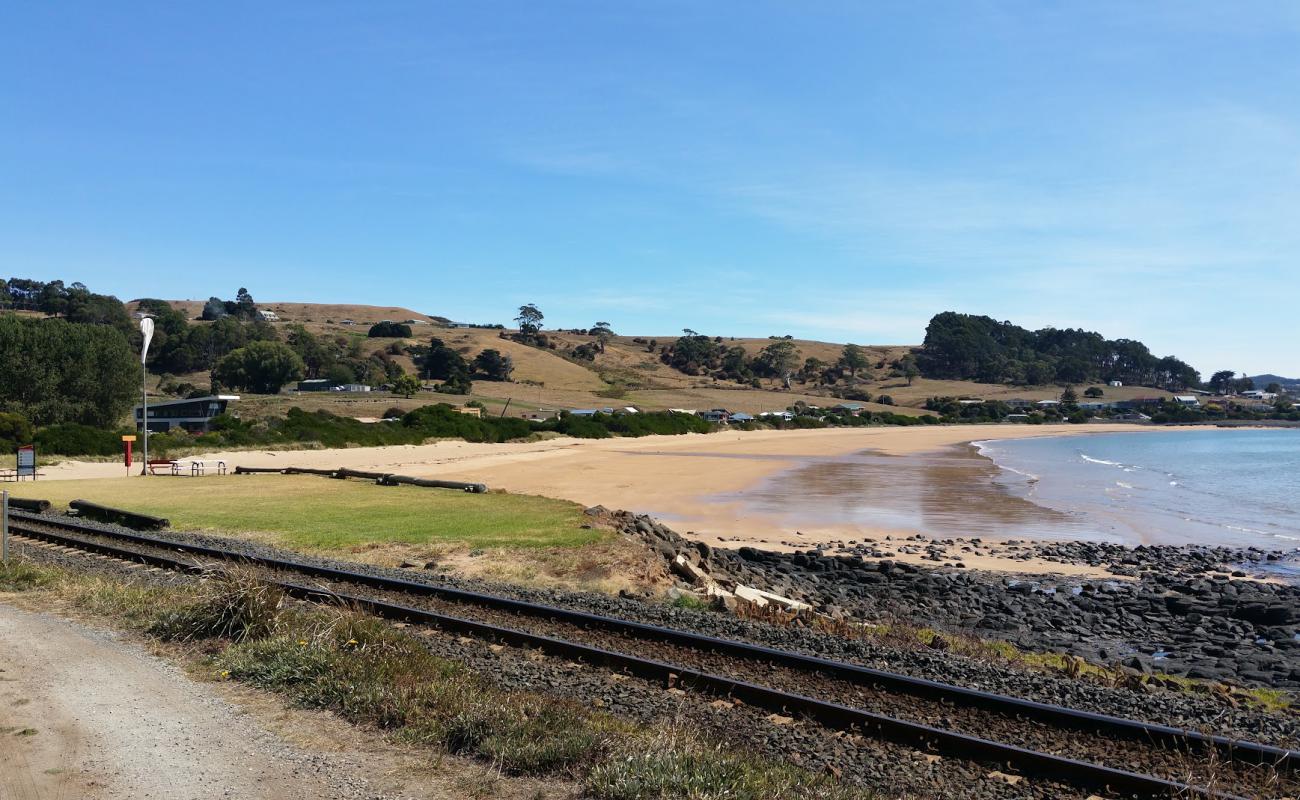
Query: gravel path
(86, 715)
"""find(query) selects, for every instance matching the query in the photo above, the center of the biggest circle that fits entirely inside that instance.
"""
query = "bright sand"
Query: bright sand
(673, 477)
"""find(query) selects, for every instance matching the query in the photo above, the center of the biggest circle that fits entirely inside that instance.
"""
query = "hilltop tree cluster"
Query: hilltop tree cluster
(967, 347)
(696, 354)
(242, 307)
(73, 302)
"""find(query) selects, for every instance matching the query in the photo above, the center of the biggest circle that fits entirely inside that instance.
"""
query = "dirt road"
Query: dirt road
(85, 715)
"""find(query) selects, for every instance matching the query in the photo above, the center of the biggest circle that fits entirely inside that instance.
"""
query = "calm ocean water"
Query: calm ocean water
(1236, 487)
(1223, 487)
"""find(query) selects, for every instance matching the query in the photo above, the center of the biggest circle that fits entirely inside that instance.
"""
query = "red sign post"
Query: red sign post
(126, 444)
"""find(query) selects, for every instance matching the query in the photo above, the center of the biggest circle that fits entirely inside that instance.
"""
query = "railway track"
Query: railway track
(1093, 751)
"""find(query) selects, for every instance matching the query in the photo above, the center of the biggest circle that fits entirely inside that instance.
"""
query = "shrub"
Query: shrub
(231, 605)
(15, 431)
(72, 439)
(389, 330)
(443, 421)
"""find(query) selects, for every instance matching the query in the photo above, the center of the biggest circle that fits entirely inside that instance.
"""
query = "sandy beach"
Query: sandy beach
(676, 478)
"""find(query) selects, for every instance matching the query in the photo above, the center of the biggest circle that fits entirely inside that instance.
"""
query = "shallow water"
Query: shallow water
(1168, 487)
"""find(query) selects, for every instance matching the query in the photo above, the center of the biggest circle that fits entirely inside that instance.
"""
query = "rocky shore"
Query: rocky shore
(1182, 611)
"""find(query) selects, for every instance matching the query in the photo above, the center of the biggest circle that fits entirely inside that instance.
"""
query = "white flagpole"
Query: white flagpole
(146, 328)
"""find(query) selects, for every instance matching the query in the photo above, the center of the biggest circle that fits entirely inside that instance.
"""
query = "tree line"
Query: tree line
(979, 348)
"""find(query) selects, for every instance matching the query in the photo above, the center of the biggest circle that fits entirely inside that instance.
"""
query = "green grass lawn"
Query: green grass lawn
(307, 511)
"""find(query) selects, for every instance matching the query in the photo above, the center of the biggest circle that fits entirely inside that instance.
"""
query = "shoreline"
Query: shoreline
(673, 478)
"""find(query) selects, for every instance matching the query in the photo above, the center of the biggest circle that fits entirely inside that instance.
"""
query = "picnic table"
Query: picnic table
(12, 475)
(191, 466)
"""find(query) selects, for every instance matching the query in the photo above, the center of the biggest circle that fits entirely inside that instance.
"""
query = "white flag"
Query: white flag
(146, 328)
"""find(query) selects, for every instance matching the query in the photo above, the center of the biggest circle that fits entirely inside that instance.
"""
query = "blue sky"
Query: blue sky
(830, 170)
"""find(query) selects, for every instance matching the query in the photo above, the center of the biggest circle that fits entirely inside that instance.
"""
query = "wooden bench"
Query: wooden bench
(157, 464)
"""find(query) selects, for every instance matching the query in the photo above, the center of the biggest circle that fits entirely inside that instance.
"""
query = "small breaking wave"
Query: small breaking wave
(1092, 460)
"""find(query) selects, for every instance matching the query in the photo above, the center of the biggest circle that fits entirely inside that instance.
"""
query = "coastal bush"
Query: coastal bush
(603, 426)
(15, 431)
(443, 421)
(73, 439)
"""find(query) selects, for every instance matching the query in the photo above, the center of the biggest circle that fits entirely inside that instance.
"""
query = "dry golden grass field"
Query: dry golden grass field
(627, 373)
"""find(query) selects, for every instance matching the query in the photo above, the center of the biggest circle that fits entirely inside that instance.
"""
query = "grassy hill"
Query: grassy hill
(627, 373)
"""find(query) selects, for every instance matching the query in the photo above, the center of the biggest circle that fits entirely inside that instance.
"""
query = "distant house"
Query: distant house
(347, 322)
(1116, 384)
(460, 324)
(1187, 400)
(785, 415)
(1094, 405)
(267, 316)
(741, 416)
(315, 385)
(970, 402)
(1131, 416)
(351, 387)
(690, 411)
(416, 322)
(1016, 402)
(1048, 403)
(193, 414)
(583, 412)
(473, 411)
(851, 408)
(717, 415)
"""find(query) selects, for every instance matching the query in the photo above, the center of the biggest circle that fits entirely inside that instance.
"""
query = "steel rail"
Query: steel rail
(879, 726)
(1085, 721)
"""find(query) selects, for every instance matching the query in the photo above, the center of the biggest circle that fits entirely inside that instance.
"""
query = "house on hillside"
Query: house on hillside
(267, 316)
(1048, 403)
(785, 415)
(741, 416)
(1256, 394)
(193, 414)
(850, 408)
(314, 385)
(1116, 384)
(351, 387)
(1189, 400)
